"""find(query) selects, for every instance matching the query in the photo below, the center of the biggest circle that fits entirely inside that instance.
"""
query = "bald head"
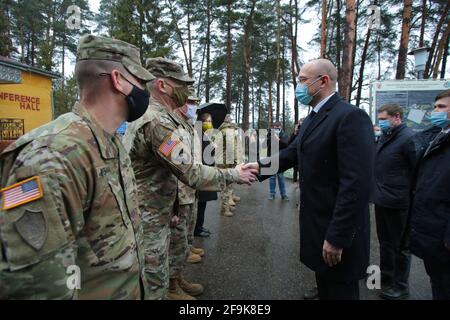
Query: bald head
(322, 67)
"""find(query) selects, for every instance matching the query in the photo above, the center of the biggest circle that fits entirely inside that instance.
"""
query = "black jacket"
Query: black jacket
(394, 165)
(205, 196)
(334, 151)
(430, 204)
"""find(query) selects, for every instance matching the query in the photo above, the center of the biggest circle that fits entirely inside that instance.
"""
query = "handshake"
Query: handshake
(248, 172)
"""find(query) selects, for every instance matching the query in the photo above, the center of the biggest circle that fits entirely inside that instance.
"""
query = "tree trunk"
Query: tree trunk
(189, 66)
(349, 46)
(229, 58)
(323, 37)
(404, 41)
(278, 72)
(444, 60)
(437, 32)
(245, 99)
(294, 59)
(179, 34)
(361, 68)
(422, 25)
(208, 50)
(442, 45)
(338, 38)
(284, 84)
(270, 108)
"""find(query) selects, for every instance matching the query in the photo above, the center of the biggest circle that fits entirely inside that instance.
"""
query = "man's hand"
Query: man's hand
(247, 174)
(331, 255)
(252, 165)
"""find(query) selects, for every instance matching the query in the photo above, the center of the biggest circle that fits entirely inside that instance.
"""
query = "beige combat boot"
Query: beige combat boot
(193, 289)
(231, 202)
(176, 293)
(227, 212)
(236, 198)
(198, 251)
(193, 258)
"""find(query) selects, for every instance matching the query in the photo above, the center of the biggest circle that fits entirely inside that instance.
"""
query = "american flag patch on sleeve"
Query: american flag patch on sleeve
(167, 147)
(21, 193)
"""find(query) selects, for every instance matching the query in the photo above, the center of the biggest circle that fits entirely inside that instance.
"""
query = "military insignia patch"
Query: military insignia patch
(167, 147)
(20, 193)
(32, 228)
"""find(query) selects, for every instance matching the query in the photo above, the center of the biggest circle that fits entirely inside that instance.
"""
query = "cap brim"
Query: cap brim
(138, 71)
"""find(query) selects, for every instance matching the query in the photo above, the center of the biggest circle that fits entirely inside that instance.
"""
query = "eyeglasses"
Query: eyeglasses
(304, 79)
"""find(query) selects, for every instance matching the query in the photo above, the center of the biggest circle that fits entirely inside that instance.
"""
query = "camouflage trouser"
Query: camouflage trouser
(192, 220)
(179, 247)
(156, 244)
(225, 198)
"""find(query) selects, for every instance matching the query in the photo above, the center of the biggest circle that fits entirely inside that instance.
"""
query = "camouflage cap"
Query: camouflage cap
(165, 68)
(101, 48)
(192, 95)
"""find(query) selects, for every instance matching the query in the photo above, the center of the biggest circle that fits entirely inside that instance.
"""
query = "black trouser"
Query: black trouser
(200, 217)
(439, 274)
(395, 257)
(335, 290)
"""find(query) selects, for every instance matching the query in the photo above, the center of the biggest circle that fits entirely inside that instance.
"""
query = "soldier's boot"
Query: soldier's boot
(231, 202)
(176, 293)
(193, 289)
(193, 258)
(198, 251)
(236, 198)
(226, 212)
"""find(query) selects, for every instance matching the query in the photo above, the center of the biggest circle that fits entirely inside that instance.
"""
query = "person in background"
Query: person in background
(283, 142)
(393, 173)
(204, 196)
(430, 205)
(377, 131)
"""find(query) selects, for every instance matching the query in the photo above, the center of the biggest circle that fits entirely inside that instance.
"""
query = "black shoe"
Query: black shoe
(394, 294)
(285, 198)
(202, 234)
(311, 294)
(206, 230)
(272, 197)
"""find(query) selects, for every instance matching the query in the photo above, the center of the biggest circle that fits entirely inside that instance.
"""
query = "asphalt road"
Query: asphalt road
(254, 255)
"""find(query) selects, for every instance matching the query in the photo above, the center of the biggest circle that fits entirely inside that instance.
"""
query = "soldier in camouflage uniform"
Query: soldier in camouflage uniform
(227, 159)
(69, 198)
(160, 157)
(182, 232)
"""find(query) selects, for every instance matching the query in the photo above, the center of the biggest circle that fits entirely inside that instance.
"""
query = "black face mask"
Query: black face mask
(137, 100)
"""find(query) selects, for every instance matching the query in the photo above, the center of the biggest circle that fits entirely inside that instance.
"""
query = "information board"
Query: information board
(415, 96)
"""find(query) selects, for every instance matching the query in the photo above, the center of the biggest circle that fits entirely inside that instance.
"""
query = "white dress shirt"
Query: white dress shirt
(322, 103)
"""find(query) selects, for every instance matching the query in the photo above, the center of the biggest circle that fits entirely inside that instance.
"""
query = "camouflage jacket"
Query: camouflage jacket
(88, 216)
(161, 156)
(228, 143)
(186, 194)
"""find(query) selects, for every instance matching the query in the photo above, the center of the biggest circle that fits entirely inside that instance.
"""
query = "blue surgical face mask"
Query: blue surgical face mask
(302, 95)
(192, 111)
(384, 125)
(440, 119)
